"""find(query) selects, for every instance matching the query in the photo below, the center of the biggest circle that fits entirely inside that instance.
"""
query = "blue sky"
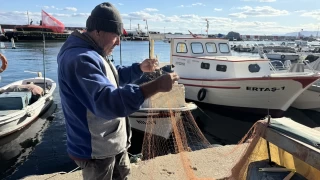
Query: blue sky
(254, 17)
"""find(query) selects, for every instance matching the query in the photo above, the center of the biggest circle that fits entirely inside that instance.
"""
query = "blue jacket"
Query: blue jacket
(94, 108)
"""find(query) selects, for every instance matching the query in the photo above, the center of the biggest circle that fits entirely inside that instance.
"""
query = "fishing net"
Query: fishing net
(189, 155)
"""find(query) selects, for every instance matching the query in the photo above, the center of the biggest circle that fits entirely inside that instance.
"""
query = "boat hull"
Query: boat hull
(157, 121)
(18, 119)
(309, 99)
(255, 95)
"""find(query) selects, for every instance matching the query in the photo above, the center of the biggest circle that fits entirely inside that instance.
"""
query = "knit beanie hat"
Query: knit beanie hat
(105, 17)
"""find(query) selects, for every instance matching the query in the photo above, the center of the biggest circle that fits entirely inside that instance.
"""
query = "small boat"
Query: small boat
(19, 106)
(22, 102)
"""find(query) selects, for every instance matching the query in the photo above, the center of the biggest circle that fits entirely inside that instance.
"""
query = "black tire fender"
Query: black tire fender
(202, 94)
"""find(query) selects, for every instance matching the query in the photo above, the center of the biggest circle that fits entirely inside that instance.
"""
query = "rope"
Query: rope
(59, 173)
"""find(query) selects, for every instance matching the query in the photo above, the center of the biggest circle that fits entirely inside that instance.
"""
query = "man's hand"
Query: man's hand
(149, 65)
(163, 83)
(166, 81)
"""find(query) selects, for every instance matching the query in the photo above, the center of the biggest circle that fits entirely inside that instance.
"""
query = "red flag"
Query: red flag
(124, 32)
(50, 21)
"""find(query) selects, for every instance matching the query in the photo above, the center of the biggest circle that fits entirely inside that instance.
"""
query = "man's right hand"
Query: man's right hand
(163, 83)
(166, 81)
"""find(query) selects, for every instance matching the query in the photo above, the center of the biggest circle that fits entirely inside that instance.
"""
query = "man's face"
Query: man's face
(107, 41)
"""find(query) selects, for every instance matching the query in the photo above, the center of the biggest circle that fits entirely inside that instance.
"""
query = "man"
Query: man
(96, 97)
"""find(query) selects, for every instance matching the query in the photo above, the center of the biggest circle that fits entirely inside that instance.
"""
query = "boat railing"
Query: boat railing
(306, 62)
(272, 68)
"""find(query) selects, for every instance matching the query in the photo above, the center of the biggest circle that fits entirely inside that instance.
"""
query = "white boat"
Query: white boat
(22, 102)
(283, 56)
(17, 109)
(212, 75)
(157, 121)
(310, 98)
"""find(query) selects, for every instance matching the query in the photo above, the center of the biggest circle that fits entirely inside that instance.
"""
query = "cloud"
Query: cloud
(173, 23)
(59, 9)
(198, 4)
(120, 4)
(259, 11)
(313, 14)
(300, 11)
(217, 9)
(150, 9)
(192, 5)
(80, 15)
(70, 9)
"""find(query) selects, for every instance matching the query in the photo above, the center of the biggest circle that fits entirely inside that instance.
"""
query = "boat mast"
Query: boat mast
(28, 17)
(44, 64)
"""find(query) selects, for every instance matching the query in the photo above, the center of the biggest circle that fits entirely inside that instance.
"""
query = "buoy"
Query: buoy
(12, 43)
(4, 63)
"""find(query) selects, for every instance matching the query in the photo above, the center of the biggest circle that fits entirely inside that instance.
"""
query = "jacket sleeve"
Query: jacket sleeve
(100, 96)
(129, 74)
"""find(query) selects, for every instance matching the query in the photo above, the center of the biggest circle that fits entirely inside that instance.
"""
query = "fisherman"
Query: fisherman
(96, 96)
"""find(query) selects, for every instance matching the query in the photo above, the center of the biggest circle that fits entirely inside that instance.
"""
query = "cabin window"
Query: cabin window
(224, 48)
(205, 65)
(211, 47)
(181, 48)
(222, 68)
(196, 48)
(254, 68)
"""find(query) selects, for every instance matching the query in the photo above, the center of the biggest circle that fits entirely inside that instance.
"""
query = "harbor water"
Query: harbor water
(40, 148)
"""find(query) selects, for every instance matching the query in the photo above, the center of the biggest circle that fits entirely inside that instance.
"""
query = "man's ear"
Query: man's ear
(97, 33)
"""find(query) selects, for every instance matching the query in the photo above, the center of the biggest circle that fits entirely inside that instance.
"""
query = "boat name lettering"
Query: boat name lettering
(181, 59)
(273, 89)
(180, 63)
(195, 61)
(146, 122)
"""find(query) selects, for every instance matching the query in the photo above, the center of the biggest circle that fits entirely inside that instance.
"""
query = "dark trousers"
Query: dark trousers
(112, 168)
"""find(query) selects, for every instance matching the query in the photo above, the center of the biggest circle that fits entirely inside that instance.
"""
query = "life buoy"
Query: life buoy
(4, 63)
(202, 94)
(282, 56)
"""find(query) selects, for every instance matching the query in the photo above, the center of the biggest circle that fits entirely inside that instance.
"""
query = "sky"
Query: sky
(252, 17)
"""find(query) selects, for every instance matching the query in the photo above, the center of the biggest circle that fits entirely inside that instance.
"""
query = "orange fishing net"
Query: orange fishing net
(189, 154)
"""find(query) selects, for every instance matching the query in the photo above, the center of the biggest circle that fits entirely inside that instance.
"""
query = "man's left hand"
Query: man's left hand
(149, 65)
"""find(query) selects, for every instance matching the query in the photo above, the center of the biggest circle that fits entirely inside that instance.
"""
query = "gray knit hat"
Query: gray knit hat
(105, 17)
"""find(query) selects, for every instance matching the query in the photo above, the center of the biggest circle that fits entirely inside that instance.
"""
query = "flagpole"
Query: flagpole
(207, 27)
(28, 16)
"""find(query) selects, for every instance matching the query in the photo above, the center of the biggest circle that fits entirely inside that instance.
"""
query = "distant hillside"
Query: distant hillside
(303, 33)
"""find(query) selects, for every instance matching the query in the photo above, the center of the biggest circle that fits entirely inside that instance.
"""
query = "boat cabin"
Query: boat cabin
(209, 58)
